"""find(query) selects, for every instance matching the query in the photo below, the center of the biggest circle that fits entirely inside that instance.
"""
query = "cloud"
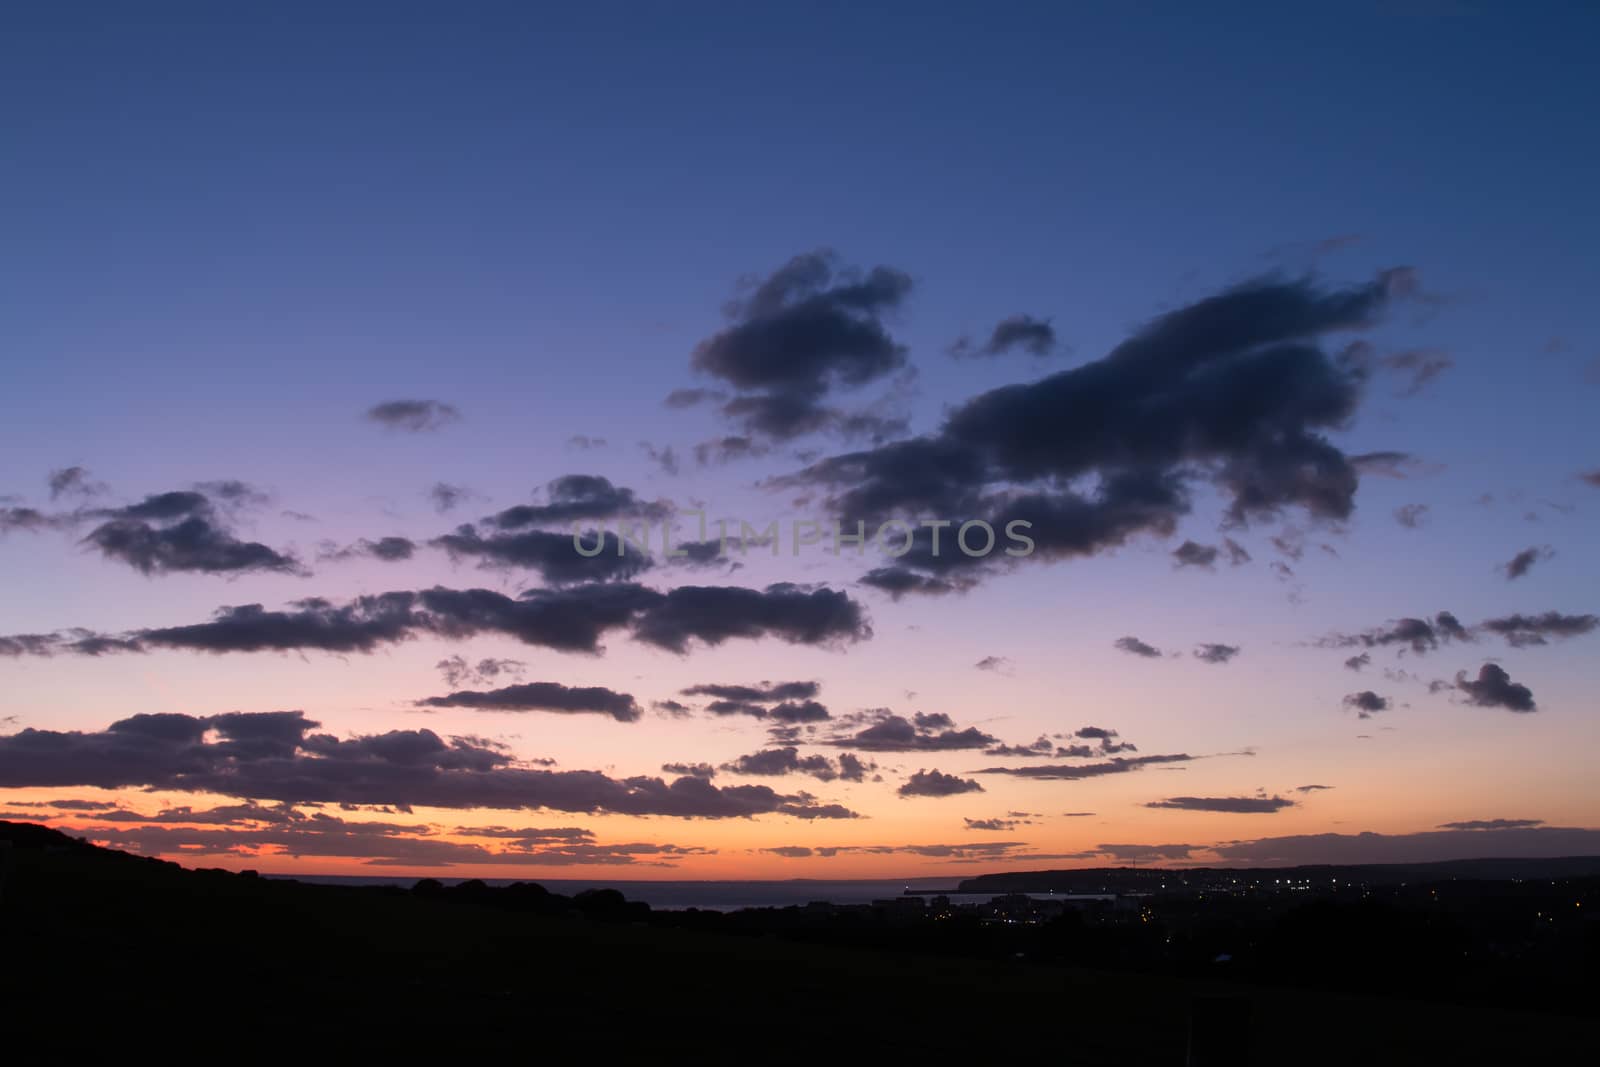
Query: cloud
(1355, 663)
(1214, 653)
(555, 556)
(1492, 824)
(447, 497)
(1428, 846)
(937, 784)
(583, 442)
(322, 835)
(73, 481)
(764, 692)
(679, 399)
(1311, 788)
(1075, 772)
(580, 497)
(1037, 337)
(997, 664)
(1411, 516)
(542, 696)
(1137, 647)
(195, 544)
(571, 619)
(966, 852)
(883, 731)
(1419, 635)
(996, 825)
(387, 549)
(1192, 554)
(1232, 390)
(1230, 805)
(184, 531)
(1523, 631)
(1420, 365)
(1367, 703)
(457, 671)
(413, 416)
(812, 326)
(773, 762)
(276, 756)
(1493, 688)
(1523, 561)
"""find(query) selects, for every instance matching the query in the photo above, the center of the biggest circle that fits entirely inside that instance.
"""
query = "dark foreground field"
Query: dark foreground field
(103, 952)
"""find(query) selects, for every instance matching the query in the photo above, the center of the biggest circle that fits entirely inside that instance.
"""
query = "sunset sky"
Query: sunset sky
(322, 328)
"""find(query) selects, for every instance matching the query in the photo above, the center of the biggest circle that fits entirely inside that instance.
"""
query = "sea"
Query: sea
(716, 896)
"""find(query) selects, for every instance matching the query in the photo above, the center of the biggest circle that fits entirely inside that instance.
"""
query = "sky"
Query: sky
(326, 327)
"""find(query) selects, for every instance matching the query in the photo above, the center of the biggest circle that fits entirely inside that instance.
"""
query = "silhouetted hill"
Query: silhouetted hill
(1130, 879)
(106, 954)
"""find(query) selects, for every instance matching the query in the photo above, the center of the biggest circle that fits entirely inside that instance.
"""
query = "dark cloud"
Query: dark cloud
(1419, 365)
(1522, 631)
(1493, 688)
(1367, 703)
(195, 544)
(998, 664)
(728, 449)
(1411, 516)
(810, 327)
(1193, 554)
(774, 762)
(972, 852)
(447, 497)
(937, 784)
(1429, 846)
(1037, 337)
(1355, 663)
(1492, 824)
(693, 770)
(883, 731)
(1074, 772)
(1523, 561)
(275, 756)
(1041, 746)
(73, 481)
(1397, 465)
(996, 825)
(1591, 477)
(714, 614)
(542, 696)
(556, 557)
(1419, 635)
(688, 398)
(387, 549)
(1311, 788)
(1145, 853)
(665, 457)
(581, 497)
(458, 672)
(323, 835)
(1230, 805)
(1213, 653)
(570, 619)
(1137, 647)
(762, 693)
(899, 581)
(1232, 389)
(30, 520)
(413, 416)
